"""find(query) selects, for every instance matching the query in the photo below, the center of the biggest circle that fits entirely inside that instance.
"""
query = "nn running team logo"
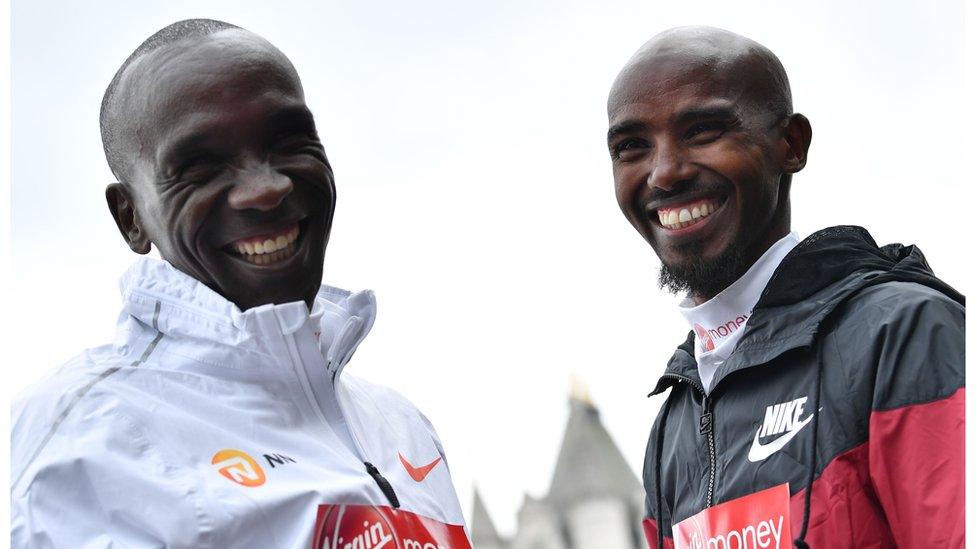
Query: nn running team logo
(708, 338)
(239, 467)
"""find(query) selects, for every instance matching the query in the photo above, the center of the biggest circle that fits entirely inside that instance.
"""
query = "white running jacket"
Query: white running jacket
(202, 426)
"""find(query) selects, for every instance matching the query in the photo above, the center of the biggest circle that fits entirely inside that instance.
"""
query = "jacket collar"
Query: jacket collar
(813, 280)
(188, 309)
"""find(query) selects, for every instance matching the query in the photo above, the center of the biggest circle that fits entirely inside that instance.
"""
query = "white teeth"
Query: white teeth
(267, 258)
(685, 217)
(267, 246)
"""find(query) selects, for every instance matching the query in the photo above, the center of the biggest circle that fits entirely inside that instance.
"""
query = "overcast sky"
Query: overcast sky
(475, 192)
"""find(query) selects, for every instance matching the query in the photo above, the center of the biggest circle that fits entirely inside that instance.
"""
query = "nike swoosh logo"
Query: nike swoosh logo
(418, 473)
(759, 452)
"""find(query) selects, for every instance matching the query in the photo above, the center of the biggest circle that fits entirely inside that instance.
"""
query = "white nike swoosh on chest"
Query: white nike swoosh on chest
(759, 452)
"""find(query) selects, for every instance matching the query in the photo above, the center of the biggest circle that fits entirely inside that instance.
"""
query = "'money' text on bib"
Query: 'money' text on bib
(757, 521)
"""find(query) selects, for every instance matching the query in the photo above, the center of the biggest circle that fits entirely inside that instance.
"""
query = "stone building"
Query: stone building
(595, 500)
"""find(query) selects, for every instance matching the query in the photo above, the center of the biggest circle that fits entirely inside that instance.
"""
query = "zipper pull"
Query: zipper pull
(384, 484)
(705, 421)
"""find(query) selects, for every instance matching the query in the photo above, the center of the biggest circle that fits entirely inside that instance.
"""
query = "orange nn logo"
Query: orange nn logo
(239, 467)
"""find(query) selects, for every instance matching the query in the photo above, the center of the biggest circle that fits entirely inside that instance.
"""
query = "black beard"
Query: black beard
(700, 278)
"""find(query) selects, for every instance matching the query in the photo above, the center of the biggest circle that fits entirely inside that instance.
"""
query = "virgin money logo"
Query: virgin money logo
(707, 337)
(369, 527)
(239, 467)
(756, 521)
(704, 340)
(354, 526)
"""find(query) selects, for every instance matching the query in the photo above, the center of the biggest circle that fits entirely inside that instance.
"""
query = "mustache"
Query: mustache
(229, 224)
(685, 188)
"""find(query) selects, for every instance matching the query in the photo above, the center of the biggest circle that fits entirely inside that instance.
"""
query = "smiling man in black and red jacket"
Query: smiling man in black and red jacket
(819, 397)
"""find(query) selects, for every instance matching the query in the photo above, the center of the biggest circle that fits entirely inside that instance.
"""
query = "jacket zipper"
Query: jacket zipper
(384, 484)
(705, 427)
(381, 481)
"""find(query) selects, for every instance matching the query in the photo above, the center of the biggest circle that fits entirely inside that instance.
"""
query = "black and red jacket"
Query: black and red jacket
(874, 341)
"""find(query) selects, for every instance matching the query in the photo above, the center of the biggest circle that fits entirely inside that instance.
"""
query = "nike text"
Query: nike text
(782, 417)
(783, 421)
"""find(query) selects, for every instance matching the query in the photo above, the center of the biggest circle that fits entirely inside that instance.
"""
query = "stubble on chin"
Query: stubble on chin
(699, 277)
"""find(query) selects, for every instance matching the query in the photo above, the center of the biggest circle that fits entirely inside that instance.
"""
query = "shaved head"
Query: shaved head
(136, 80)
(111, 116)
(745, 68)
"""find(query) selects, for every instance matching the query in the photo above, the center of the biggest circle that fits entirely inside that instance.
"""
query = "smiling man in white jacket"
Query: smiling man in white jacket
(220, 416)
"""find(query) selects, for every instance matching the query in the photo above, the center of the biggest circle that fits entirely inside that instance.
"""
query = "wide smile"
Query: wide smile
(686, 217)
(268, 249)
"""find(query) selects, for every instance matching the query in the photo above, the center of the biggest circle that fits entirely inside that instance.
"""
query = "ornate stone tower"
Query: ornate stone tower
(483, 533)
(595, 500)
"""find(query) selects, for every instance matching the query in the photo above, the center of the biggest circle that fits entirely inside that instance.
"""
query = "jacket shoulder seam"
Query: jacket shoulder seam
(943, 395)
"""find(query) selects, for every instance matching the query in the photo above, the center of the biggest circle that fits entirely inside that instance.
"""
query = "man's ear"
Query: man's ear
(126, 218)
(797, 135)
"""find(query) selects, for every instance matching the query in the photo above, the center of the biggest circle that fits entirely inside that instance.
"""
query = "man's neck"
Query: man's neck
(752, 255)
(767, 243)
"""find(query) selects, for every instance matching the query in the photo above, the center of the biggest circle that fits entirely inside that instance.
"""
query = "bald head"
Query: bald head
(748, 72)
(143, 76)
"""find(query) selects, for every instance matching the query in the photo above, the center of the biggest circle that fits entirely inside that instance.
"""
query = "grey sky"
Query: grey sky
(474, 188)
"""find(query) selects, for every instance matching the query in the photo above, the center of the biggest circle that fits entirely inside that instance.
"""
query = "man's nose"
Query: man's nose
(259, 188)
(670, 167)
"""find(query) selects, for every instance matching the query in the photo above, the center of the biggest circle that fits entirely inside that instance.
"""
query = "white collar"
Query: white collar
(190, 309)
(718, 323)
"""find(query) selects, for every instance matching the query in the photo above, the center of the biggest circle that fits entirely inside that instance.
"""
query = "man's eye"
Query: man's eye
(628, 148)
(199, 168)
(705, 132)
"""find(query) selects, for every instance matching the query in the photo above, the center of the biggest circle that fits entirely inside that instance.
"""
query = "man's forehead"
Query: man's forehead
(169, 89)
(202, 62)
(701, 62)
(670, 79)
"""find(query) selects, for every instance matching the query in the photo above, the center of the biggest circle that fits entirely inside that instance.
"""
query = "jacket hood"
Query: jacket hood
(816, 277)
(836, 253)
(159, 295)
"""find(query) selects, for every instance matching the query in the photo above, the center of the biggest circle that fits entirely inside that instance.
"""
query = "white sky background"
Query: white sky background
(475, 194)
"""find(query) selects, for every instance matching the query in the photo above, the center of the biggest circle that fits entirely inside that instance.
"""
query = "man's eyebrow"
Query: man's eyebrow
(293, 117)
(185, 147)
(627, 126)
(724, 112)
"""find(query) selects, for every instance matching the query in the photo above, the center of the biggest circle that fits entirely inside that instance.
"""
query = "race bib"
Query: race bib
(757, 521)
(368, 527)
